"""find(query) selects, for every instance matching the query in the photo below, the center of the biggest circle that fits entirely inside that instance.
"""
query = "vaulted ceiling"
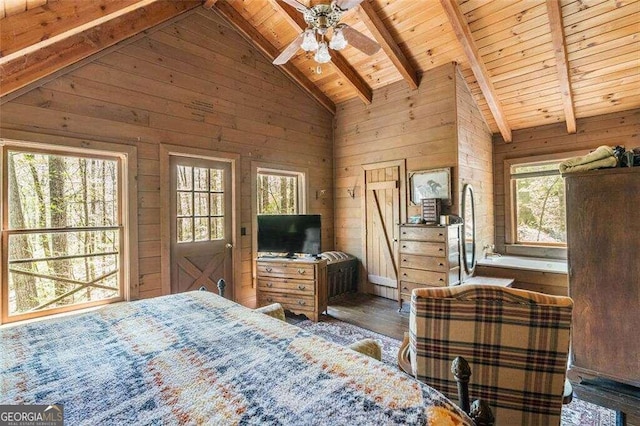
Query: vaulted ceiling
(527, 62)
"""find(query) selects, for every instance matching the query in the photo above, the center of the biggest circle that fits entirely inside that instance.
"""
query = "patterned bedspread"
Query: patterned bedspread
(195, 358)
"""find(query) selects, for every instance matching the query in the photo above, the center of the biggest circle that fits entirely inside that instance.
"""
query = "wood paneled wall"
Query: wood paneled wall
(475, 162)
(437, 125)
(195, 83)
(622, 128)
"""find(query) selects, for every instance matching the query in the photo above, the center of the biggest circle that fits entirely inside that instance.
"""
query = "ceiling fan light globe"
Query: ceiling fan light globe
(322, 55)
(309, 43)
(338, 42)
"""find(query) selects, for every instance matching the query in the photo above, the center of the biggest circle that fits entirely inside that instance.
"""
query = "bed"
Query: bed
(197, 358)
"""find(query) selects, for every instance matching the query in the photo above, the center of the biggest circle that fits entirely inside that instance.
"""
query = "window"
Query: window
(279, 192)
(537, 200)
(199, 204)
(63, 231)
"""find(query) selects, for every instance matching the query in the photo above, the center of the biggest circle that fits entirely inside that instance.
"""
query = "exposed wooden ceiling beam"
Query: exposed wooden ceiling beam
(208, 4)
(42, 26)
(27, 68)
(388, 43)
(295, 19)
(270, 51)
(562, 63)
(463, 33)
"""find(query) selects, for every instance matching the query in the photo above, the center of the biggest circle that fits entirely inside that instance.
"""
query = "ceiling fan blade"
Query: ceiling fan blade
(345, 5)
(297, 5)
(359, 41)
(290, 50)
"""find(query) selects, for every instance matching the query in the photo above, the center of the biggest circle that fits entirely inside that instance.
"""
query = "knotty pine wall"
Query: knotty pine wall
(196, 83)
(421, 126)
(475, 162)
(621, 128)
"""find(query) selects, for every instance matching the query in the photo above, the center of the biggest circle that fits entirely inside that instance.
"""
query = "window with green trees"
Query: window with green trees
(278, 192)
(63, 230)
(538, 200)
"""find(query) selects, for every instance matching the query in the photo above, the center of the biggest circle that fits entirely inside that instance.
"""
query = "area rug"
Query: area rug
(577, 413)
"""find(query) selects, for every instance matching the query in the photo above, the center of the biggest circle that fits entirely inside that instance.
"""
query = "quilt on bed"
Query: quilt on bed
(197, 358)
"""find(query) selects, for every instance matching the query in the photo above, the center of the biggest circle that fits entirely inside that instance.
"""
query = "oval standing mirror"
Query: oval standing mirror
(468, 209)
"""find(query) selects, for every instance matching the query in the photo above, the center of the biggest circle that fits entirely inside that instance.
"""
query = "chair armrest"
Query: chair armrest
(368, 347)
(274, 310)
(404, 362)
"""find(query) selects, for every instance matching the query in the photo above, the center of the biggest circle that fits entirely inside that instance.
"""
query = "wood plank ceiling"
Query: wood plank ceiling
(528, 62)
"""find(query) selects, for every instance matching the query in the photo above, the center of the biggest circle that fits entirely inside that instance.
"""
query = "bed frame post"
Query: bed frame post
(221, 286)
(479, 411)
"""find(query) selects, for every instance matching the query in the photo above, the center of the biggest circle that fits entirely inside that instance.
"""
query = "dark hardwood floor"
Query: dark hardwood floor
(371, 312)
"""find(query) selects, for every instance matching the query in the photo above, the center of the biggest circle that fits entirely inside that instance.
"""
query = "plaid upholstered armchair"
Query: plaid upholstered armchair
(516, 343)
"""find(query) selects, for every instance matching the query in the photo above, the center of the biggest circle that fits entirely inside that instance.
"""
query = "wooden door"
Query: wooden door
(201, 224)
(383, 212)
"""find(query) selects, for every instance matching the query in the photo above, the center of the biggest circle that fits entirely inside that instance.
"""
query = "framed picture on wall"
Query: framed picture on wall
(434, 183)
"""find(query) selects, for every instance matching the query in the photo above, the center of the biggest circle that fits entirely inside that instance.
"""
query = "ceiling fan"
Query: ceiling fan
(320, 19)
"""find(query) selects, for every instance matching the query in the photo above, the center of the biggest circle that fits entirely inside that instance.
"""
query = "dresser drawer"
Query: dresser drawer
(407, 287)
(431, 278)
(423, 233)
(290, 302)
(283, 285)
(422, 248)
(295, 270)
(430, 263)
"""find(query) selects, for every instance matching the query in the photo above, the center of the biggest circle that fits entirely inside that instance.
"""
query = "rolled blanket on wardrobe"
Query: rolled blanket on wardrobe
(602, 157)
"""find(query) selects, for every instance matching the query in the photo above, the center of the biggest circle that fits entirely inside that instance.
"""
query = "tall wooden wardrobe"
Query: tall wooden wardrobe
(603, 240)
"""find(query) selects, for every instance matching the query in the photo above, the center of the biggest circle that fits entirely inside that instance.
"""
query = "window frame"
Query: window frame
(300, 189)
(126, 157)
(510, 207)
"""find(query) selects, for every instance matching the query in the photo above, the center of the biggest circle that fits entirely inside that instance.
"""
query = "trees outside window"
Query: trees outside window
(538, 201)
(64, 230)
(278, 192)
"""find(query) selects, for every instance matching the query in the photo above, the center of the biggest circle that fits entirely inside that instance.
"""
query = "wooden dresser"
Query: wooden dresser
(429, 257)
(299, 285)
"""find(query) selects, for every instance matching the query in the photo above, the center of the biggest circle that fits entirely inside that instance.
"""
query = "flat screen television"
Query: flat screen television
(289, 234)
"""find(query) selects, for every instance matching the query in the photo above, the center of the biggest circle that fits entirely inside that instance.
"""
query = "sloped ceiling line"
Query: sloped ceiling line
(388, 44)
(562, 63)
(463, 33)
(254, 37)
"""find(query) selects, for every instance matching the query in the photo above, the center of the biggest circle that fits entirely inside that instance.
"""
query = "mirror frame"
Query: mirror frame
(467, 188)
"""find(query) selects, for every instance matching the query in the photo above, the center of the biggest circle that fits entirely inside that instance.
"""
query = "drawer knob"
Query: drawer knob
(440, 249)
(404, 260)
(441, 280)
(269, 284)
(404, 273)
(403, 246)
(440, 264)
(302, 302)
(269, 269)
(301, 271)
(441, 235)
(405, 288)
(301, 287)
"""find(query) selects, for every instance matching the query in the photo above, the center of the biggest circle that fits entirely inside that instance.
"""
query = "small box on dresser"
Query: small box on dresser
(299, 285)
(429, 257)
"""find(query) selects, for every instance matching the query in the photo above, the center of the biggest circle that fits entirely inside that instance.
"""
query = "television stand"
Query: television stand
(299, 285)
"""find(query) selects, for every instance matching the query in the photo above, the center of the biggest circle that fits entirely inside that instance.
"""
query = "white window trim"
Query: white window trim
(531, 249)
(129, 197)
